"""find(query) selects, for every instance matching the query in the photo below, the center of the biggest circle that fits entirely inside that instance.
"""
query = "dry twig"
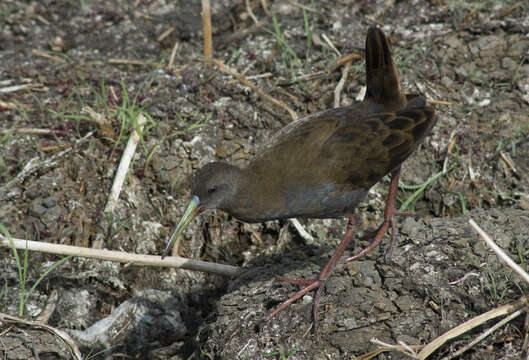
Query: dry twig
(48, 56)
(261, 93)
(264, 4)
(499, 252)
(30, 131)
(76, 353)
(486, 333)
(14, 88)
(361, 94)
(32, 166)
(330, 44)
(54, 147)
(4, 105)
(122, 257)
(119, 178)
(341, 83)
(344, 60)
(439, 102)
(508, 12)
(385, 347)
(250, 12)
(104, 123)
(124, 165)
(126, 62)
(509, 162)
(206, 24)
(165, 34)
(304, 7)
(470, 324)
(173, 54)
(48, 310)
(451, 143)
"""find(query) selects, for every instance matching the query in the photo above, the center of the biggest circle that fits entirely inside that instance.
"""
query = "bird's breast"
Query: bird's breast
(307, 201)
(323, 201)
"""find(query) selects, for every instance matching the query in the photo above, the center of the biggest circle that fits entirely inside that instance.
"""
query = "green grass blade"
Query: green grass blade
(419, 191)
(50, 269)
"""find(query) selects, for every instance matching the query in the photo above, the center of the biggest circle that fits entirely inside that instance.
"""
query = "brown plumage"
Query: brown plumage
(323, 165)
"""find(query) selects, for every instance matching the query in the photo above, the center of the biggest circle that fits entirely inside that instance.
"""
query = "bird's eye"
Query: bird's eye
(212, 189)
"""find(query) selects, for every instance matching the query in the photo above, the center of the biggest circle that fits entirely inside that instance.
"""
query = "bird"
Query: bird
(323, 165)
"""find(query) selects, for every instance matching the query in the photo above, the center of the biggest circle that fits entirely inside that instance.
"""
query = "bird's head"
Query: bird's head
(214, 187)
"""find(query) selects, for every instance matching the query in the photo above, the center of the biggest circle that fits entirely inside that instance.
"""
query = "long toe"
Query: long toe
(378, 235)
(314, 284)
(317, 284)
(300, 282)
(390, 221)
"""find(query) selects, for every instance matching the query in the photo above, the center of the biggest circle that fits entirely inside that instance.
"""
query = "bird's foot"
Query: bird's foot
(300, 282)
(390, 220)
(313, 284)
(317, 284)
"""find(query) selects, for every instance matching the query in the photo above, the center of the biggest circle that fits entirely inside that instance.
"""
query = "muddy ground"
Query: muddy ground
(112, 57)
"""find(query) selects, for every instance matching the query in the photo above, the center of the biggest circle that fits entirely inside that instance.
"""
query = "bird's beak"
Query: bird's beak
(192, 210)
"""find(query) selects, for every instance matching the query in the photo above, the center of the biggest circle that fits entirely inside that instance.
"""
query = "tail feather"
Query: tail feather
(383, 84)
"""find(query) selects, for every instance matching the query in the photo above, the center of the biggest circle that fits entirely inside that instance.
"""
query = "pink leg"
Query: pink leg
(390, 215)
(319, 282)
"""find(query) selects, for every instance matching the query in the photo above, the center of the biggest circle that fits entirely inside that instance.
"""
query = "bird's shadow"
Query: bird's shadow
(297, 261)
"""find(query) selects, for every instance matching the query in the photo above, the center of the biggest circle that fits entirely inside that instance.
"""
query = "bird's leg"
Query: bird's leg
(390, 215)
(319, 282)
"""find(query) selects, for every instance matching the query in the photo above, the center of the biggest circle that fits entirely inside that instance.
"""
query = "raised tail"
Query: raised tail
(383, 84)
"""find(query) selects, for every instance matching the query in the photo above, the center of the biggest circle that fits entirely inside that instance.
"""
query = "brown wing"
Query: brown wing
(293, 152)
(361, 152)
(342, 147)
